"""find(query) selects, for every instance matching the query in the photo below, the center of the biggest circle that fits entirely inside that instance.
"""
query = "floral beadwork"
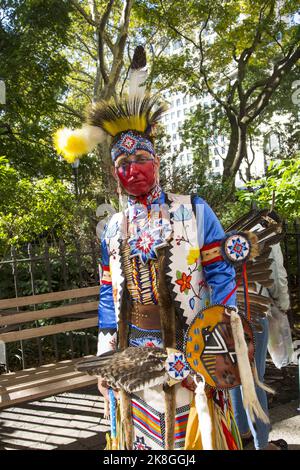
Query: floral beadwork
(185, 270)
(182, 213)
(183, 281)
(193, 256)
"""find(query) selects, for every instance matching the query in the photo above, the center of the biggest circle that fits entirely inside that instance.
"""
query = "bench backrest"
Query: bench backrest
(19, 318)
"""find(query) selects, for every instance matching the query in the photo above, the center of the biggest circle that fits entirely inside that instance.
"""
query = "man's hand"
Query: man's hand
(103, 389)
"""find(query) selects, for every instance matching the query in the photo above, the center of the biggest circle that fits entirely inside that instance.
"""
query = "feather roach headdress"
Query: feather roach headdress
(137, 114)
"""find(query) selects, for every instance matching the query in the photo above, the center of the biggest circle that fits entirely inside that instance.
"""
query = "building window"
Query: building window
(185, 111)
(178, 101)
(174, 136)
(223, 150)
(184, 100)
(179, 123)
(174, 126)
(217, 163)
(179, 113)
(172, 115)
(216, 151)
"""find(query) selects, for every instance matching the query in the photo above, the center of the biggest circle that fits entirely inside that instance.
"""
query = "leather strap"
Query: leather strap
(145, 316)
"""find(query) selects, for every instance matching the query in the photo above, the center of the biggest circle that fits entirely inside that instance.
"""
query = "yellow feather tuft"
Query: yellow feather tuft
(137, 123)
(71, 144)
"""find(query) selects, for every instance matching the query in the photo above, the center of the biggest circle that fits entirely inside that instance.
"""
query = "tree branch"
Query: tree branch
(71, 110)
(280, 69)
(255, 86)
(77, 79)
(102, 68)
(118, 50)
(187, 38)
(248, 52)
(83, 13)
(87, 48)
(82, 72)
(108, 41)
(203, 72)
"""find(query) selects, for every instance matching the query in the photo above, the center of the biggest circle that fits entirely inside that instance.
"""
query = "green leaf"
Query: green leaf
(178, 274)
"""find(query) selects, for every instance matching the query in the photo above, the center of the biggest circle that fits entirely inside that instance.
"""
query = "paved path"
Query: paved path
(72, 421)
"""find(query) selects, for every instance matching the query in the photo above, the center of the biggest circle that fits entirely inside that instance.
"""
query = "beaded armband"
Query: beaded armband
(235, 248)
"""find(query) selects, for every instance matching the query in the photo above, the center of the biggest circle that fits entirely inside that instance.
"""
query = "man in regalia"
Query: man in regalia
(162, 264)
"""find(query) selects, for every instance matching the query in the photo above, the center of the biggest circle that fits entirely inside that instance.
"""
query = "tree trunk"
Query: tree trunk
(237, 150)
(105, 165)
(233, 147)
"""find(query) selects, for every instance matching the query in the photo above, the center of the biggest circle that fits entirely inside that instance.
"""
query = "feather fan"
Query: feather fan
(267, 227)
(132, 370)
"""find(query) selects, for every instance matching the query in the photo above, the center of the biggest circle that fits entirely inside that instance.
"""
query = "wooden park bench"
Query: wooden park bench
(18, 326)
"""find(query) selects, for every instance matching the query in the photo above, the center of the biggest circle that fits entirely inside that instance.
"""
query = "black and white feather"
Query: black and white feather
(131, 370)
(138, 74)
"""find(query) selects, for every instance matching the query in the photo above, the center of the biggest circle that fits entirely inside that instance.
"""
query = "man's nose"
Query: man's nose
(133, 169)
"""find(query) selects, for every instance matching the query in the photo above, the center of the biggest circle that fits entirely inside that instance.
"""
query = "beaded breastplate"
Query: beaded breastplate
(141, 279)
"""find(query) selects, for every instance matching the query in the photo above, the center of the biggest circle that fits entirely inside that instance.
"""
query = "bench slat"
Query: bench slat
(25, 372)
(49, 297)
(48, 330)
(38, 381)
(43, 391)
(24, 317)
(7, 379)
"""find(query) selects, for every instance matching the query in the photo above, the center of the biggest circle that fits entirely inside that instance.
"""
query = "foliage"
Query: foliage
(282, 181)
(239, 52)
(31, 208)
(33, 34)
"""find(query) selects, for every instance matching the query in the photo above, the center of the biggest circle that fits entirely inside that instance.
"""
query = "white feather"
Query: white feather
(137, 78)
(260, 384)
(250, 399)
(204, 420)
(93, 135)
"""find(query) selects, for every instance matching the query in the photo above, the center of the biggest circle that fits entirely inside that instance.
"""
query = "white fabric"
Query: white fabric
(204, 419)
(106, 342)
(279, 291)
(280, 345)
(250, 400)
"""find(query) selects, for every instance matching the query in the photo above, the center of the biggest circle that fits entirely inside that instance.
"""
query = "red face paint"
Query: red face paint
(137, 178)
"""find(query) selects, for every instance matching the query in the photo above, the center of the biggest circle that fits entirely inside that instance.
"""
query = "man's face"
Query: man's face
(137, 173)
